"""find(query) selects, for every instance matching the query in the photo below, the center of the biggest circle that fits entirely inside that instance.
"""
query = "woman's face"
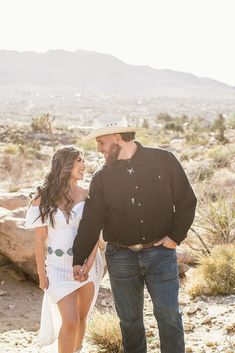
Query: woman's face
(78, 168)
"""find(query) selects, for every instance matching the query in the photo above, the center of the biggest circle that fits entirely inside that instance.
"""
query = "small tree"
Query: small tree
(43, 123)
(145, 124)
(219, 125)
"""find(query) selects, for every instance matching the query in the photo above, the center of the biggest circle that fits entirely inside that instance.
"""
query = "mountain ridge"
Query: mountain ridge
(95, 72)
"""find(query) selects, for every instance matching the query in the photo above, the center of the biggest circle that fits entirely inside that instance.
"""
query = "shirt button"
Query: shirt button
(143, 238)
(136, 187)
(139, 204)
(141, 221)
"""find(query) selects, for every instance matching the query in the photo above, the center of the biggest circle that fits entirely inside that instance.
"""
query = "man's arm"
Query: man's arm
(184, 200)
(91, 223)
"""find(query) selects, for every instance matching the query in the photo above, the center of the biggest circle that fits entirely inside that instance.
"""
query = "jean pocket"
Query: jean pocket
(110, 249)
(165, 247)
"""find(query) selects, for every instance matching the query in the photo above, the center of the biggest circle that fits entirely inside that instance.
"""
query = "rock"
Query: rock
(201, 305)
(188, 327)
(17, 274)
(207, 319)
(192, 309)
(17, 243)
(185, 257)
(150, 333)
(103, 303)
(3, 292)
(4, 261)
(188, 349)
(3, 211)
(13, 200)
(211, 344)
(230, 328)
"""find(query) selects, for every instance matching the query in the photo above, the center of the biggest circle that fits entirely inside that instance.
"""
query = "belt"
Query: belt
(59, 252)
(138, 247)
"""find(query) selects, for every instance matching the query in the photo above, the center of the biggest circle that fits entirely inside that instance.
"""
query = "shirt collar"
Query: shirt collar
(123, 163)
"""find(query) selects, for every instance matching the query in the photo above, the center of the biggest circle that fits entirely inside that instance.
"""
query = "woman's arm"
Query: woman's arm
(40, 246)
(40, 249)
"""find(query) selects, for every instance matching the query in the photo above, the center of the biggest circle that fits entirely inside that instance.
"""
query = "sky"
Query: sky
(196, 36)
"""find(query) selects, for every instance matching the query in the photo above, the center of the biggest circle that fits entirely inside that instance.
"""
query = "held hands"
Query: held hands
(80, 273)
(167, 242)
(43, 282)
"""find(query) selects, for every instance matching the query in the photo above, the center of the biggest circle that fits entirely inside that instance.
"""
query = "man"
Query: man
(143, 201)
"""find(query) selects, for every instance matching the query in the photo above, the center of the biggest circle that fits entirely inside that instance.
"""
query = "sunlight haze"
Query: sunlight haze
(190, 36)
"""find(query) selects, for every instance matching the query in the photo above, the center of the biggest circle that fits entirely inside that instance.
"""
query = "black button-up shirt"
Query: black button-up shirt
(136, 201)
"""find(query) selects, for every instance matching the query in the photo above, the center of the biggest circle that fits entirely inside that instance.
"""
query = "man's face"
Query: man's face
(108, 146)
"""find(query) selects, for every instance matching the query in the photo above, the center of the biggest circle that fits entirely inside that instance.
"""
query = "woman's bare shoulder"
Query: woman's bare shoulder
(36, 201)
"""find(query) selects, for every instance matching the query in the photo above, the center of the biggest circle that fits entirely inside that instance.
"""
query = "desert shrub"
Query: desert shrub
(89, 145)
(173, 123)
(104, 331)
(43, 123)
(11, 149)
(204, 171)
(225, 179)
(198, 125)
(187, 155)
(7, 164)
(195, 138)
(219, 126)
(215, 220)
(221, 155)
(164, 117)
(230, 122)
(145, 124)
(215, 273)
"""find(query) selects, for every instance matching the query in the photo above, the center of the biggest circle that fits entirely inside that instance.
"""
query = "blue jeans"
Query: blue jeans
(157, 269)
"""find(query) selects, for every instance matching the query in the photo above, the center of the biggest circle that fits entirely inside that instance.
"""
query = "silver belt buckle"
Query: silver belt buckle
(136, 247)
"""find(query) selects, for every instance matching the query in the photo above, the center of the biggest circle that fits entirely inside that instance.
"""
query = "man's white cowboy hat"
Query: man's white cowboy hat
(109, 124)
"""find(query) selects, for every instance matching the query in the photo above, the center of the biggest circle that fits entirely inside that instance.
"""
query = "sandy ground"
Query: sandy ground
(209, 322)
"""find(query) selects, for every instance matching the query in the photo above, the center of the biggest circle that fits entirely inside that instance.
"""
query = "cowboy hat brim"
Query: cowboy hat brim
(108, 131)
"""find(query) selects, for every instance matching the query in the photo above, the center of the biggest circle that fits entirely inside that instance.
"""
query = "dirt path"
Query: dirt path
(209, 322)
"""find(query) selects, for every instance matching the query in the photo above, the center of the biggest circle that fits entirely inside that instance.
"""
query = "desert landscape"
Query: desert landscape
(205, 147)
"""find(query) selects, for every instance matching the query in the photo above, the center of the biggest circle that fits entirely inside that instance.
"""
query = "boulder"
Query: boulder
(4, 260)
(17, 243)
(184, 260)
(13, 200)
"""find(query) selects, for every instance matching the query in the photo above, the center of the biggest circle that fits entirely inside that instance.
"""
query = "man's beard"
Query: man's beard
(113, 153)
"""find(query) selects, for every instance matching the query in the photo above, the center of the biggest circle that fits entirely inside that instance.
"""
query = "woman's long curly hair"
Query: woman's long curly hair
(56, 186)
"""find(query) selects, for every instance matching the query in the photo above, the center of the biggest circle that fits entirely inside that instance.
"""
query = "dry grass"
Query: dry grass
(18, 171)
(104, 332)
(216, 219)
(221, 155)
(215, 273)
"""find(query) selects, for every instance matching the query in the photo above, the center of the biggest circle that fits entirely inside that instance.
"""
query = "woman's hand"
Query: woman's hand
(88, 266)
(43, 282)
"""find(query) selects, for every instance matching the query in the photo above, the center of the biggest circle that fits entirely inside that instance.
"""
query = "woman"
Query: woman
(55, 214)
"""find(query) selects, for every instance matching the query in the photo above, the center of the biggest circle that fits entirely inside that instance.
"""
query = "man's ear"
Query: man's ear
(119, 138)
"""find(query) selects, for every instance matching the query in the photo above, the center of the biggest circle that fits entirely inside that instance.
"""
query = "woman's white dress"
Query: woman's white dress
(59, 267)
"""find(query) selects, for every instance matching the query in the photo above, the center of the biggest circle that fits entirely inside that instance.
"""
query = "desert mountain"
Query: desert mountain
(94, 72)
